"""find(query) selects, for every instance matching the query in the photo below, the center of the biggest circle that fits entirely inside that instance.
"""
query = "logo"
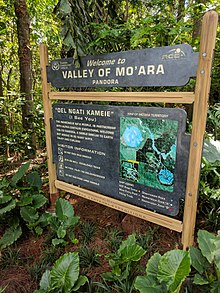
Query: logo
(55, 65)
(174, 54)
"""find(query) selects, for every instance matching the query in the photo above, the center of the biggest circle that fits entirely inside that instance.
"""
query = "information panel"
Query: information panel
(162, 66)
(135, 154)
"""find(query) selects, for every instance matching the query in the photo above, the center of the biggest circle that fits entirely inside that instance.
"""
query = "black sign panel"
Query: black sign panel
(164, 66)
(135, 154)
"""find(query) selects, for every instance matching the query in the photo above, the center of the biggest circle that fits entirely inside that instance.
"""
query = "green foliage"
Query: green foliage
(165, 273)
(10, 257)
(209, 198)
(87, 232)
(64, 275)
(63, 222)
(114, 238)
(123, 263)
(148, 240)
(206, 261)
(2, 289)
(214, 120)
(20, 199)
(89, 257)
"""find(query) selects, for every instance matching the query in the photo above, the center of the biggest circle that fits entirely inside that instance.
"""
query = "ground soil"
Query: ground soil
(21, 277)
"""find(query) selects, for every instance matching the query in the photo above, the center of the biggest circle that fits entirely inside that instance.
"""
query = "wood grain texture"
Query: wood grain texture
(147, 97)
(47, 116)
(147, 215)
(207, 45)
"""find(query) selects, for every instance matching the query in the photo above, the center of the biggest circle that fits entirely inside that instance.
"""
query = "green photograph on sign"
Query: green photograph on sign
(148, 151)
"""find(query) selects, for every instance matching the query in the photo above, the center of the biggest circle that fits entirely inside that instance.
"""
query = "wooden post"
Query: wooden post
(207, 45)
(47, 116)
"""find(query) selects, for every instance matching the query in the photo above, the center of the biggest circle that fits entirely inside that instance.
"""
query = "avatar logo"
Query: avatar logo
(176, 53)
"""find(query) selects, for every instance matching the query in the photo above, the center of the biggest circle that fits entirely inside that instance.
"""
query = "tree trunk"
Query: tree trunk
(3, 126)
(24, 53)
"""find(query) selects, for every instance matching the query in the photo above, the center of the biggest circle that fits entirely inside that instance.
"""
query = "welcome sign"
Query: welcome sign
(162, 66)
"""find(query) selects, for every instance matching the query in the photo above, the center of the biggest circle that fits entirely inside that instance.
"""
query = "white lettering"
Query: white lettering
(142, 70)
(160, 69)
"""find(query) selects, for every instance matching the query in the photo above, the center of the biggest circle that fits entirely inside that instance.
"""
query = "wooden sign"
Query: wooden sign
(80, 160)
(135, 154)
(163, 66)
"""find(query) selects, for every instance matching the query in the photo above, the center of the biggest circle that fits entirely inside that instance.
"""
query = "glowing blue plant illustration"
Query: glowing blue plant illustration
(132, 136)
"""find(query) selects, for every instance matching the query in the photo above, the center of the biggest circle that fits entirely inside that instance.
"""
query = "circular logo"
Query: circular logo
(55, 65)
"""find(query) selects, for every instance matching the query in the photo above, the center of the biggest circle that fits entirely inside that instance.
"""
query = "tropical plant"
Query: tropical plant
(10, 257)
(20, 202)
(147, 240)
(122, 262)
(87, 231)
(114, 238)
(214, 119)
(165, 273)
(209, 194)
(62, 222)
(64, 276)
(89, 257)
(206, 261)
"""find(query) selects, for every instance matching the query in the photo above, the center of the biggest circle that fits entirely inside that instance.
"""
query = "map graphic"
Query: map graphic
(148, 151)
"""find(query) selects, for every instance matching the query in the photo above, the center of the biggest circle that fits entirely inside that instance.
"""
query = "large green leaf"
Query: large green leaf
(129, 250)
(199, 262)
(152, 265)
(54, 223)
(217, 252)
(65, 272)
(34, 180)
(173, 268)
(71, 222)
(39, 200)
(61, 232)
(29, 214)
(57, 241)
(4, 198)
(206, 244)
(80, 282)
(10, 206)
(200, 280)
(45, 281)
(10, 236)
(44, 219)
(20, 173)
(148, 284)
(25, 200)
(64, 209)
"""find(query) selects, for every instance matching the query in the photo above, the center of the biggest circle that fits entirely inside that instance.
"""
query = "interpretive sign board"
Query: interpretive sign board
(135, 154)
(162, 66)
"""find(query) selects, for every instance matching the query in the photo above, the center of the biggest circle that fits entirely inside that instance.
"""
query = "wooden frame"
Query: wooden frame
(200, 100)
